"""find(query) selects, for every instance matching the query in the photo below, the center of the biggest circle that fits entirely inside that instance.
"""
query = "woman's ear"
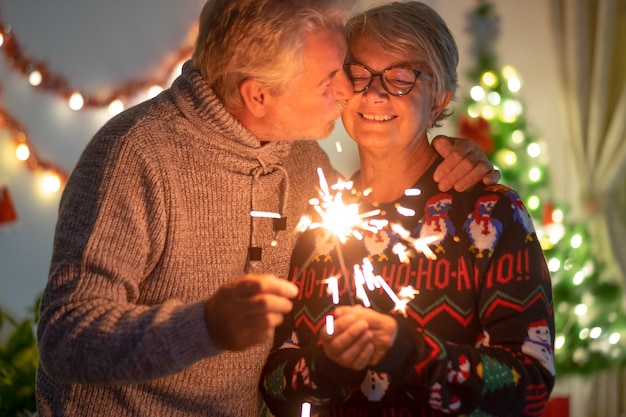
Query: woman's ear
(439, 106)
(255, 97)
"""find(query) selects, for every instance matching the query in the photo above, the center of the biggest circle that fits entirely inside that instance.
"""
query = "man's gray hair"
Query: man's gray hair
(259, 39)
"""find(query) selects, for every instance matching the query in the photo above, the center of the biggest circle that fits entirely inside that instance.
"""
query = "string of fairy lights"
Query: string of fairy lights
(42, 78)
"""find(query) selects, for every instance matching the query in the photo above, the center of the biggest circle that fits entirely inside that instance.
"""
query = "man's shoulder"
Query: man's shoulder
(308, 153)
(307, 146)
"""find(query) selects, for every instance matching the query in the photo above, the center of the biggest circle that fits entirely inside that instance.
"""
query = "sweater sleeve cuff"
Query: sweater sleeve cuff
(396, 360)
(193, 340)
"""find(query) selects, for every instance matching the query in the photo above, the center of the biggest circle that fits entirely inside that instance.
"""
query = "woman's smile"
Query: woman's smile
(377, 117)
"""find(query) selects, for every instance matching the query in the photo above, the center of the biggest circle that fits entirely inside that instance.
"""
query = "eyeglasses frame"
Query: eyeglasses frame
(379, 74)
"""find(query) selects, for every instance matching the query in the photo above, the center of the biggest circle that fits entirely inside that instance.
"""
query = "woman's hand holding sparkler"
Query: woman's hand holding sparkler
(350, 344)
(383, 328)
(361, 337)
(244, 312)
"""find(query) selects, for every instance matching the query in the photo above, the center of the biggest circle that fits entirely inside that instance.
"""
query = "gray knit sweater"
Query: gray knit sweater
(154, 218)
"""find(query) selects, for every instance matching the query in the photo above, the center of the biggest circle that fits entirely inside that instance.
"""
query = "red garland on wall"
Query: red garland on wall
(18, 134)
(42, 78)
(61, 86)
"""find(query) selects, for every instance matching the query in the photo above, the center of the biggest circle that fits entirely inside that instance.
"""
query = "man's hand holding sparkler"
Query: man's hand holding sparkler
(361, 337)
(244, 312)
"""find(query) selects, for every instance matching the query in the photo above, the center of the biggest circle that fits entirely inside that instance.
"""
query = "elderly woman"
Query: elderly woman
(474, 333)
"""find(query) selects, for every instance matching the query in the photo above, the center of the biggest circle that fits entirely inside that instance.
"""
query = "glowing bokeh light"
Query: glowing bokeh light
(50, 183)
(76, 101)
(22, 152)
(35, 78)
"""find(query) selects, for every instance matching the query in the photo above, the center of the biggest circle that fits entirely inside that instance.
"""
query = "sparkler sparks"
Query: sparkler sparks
(365, 275)
(267, 214)
(342, 220)
(330, 324)
(333, 288)
(418, 244)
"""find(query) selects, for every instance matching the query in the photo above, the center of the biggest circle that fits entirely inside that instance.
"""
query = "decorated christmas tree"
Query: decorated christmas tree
(588, 304)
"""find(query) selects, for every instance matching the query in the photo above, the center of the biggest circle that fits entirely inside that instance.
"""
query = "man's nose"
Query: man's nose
(344, 88)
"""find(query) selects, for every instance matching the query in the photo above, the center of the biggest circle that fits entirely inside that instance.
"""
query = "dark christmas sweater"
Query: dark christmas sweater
(476, 339)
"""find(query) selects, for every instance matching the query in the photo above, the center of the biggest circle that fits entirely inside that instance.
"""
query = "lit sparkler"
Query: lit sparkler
(342, 220)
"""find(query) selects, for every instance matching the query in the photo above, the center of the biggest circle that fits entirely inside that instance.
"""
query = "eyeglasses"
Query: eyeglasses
(397, 81)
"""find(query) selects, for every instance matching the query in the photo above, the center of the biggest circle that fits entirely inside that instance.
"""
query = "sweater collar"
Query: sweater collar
(236, 149)
(204, 109)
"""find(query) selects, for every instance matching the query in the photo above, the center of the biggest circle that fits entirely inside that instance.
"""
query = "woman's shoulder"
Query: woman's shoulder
(482, 191)
(496, 201)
